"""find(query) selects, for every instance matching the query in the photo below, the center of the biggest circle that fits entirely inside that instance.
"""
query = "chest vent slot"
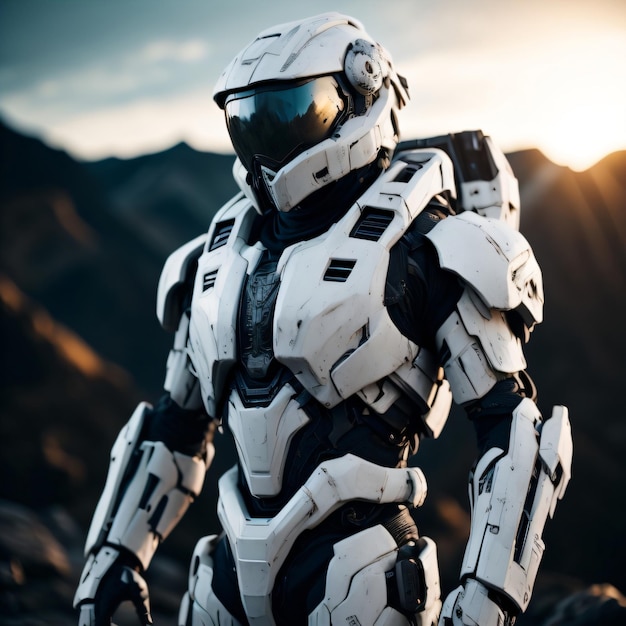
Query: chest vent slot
(372, 224)
(338, 270)
(208, 280)
(221, 233)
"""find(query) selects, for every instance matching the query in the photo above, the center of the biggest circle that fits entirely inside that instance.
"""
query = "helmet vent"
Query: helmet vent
(372, 224)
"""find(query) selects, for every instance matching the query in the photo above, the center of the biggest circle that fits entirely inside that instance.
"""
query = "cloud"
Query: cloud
(542, 75)
(154, 71)
(143, 126)
(564, 98)
(181, 51)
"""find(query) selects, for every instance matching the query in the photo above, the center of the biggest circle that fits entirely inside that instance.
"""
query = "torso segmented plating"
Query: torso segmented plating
(313, 319)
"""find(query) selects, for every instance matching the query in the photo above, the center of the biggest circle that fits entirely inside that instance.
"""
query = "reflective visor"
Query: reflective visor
(276, 123)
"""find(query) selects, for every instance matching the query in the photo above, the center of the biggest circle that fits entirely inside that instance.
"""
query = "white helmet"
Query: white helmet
(307, 103)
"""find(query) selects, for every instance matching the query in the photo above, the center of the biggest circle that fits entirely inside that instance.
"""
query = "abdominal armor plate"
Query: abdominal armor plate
(262, 435)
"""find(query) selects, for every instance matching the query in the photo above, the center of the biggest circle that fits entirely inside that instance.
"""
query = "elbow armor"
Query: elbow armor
(175, 286)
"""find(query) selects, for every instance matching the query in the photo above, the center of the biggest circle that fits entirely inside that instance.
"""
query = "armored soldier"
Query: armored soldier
(333, 311)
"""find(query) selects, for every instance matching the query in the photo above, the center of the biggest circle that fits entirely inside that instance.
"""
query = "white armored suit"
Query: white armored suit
(327, 322)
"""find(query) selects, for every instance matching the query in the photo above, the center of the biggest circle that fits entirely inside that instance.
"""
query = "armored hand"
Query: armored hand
(121, 583)
(147, 491)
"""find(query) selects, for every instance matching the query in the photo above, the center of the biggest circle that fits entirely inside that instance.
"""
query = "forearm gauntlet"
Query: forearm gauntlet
(512, 494)
(147, 491)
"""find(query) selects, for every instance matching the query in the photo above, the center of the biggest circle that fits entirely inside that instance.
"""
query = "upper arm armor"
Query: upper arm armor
(178, 271)
(175, 287)
(494, 260)
(501, 276)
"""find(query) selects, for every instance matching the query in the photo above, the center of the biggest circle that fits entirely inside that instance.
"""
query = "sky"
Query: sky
(103, 78)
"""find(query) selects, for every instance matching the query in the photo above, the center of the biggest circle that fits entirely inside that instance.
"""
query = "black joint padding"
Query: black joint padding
(181, 430)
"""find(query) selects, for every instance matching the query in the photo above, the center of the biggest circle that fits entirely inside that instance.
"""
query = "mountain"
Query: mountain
(81, 249)
(64, 246)
(168, 196)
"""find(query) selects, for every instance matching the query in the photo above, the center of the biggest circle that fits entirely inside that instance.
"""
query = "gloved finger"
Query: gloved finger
(138, 594)
(87, 616)
(122, 584)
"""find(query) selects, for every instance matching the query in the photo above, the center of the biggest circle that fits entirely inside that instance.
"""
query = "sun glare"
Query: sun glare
(564, 96)
(583, 136)
(584, 117)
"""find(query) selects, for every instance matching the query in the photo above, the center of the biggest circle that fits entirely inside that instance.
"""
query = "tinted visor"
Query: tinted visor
(275, 124)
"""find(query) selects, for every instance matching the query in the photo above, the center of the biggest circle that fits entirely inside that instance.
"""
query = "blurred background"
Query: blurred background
(112, 154)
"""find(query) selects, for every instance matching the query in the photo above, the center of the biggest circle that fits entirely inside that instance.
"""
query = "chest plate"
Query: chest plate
(220, 276)
(330, 327)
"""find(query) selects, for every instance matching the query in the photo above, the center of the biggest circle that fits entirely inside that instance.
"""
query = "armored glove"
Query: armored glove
(120, 584)
(473, 605)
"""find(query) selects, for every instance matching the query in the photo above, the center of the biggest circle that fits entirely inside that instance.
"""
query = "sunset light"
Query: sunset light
(546, 75)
